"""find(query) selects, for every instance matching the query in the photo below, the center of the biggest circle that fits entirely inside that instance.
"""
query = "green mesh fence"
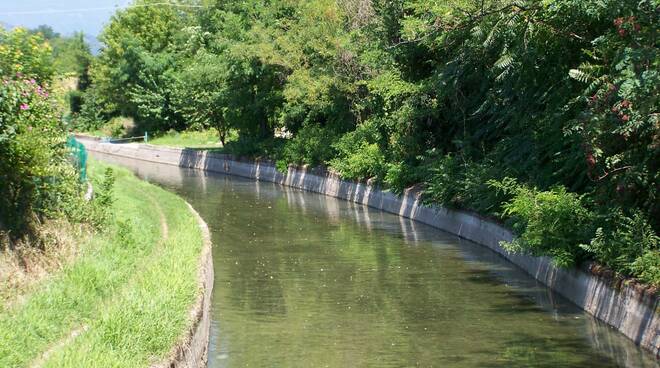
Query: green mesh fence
(78, 156)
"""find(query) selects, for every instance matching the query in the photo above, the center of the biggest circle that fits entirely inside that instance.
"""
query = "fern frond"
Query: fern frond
(596, 83)
(579, 75)
(513, 20)
(492, 35)
(477, 32)
(505, 73)
(592, 69)
(504, 61)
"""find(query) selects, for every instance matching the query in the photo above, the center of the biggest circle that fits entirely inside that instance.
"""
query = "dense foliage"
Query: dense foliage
(543, 113)
(25, 54)
(37, 180)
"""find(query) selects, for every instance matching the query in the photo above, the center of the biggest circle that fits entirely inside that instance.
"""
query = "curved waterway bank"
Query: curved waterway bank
(124, 299)
(627, 306)
(303, 279)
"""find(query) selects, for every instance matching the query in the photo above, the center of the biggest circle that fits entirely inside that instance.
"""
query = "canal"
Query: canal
(305, 280)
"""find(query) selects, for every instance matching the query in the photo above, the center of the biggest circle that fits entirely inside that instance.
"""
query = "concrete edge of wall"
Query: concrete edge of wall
(627, 306)
(191, 350)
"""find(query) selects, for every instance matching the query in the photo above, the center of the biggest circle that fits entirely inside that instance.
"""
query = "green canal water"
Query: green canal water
(305, 280)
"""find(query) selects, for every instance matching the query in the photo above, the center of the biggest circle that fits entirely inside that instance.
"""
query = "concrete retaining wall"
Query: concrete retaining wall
(191, 351)
(627, 307)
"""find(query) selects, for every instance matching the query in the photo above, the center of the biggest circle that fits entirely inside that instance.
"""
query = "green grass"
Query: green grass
(130, 288)
(117, 127)
(204, 139)
(188, 139)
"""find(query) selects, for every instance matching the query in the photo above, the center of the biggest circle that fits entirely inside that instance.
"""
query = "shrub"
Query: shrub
(35, 177)
(443, 185)
(401, 175)
(125, 233)
(117, 127)
(552, 223)
(364, 162)
(647, 267)
(103, 199)
(310, 146)
(248, 146)
(359, 155)
(466, 185)
(91, 116)
(628, 245)
(25, 54)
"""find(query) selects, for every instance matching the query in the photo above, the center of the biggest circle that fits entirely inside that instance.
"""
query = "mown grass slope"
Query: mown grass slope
(125, 300)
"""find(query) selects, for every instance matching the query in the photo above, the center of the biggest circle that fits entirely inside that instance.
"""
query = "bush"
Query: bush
(310, 146)
(647, 267)
(365, 162)
(359, 155)
(443, 185)
(25, 54)
(103, 198)
(91, 116)
(628, 245)
(117, 127)
(247, 146)
(552, 223)
(466, 185)
(36, 179)
(401, 175)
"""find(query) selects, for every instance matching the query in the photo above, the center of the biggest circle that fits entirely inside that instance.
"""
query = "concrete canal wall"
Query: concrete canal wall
(627, 306)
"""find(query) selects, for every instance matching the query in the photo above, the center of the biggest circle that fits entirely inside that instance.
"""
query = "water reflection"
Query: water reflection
(303, 280)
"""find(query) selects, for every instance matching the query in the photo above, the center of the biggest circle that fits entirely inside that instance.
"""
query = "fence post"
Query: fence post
(146, 137)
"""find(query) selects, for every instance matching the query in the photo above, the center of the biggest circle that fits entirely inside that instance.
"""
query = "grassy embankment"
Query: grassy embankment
(120, 127)
(124, 301)
(188, 139)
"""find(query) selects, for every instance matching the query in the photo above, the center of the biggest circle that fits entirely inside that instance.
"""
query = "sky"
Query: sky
(65, 16)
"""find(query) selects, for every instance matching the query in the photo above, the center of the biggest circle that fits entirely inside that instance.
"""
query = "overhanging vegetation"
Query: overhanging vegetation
(542, 114)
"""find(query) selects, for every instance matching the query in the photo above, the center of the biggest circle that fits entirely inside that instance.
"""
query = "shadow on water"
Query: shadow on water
(307, 280)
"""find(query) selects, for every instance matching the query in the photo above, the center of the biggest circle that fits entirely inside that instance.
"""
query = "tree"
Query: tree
(46, 32)
(25, 54)
(135, 50)
(72, 55)
(545, 96)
